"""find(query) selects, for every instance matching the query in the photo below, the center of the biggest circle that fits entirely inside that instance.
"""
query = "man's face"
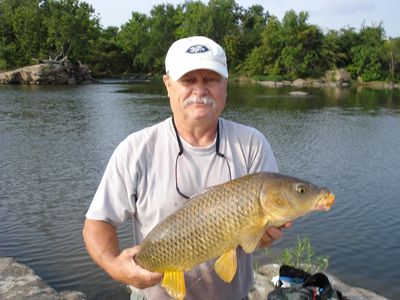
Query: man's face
(198, 95)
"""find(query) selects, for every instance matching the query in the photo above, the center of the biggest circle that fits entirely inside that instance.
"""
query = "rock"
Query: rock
(19, 282)
(298, 94)
(51, 72)
(299, 83)
(268, 83)
(338, 76)
(263, 285)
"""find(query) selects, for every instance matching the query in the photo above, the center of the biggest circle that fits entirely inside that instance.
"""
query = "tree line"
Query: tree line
(257, 43)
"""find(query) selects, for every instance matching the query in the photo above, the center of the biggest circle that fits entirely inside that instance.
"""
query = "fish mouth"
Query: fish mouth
(325, 202)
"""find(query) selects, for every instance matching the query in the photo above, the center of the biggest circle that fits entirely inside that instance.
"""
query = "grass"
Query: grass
(302, 256)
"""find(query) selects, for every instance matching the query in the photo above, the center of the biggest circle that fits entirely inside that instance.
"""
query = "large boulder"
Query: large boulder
(338, 76)
(19, 282)
(49, 72)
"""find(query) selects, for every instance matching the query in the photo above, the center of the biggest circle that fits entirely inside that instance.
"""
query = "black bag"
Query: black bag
(306, 286)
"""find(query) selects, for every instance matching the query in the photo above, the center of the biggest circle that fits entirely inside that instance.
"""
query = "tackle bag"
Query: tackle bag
(295, 284)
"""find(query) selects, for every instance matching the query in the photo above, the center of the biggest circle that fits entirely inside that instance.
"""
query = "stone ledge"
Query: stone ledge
(19, 282)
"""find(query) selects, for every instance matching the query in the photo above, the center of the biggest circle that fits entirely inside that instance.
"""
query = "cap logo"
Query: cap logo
(197, 49)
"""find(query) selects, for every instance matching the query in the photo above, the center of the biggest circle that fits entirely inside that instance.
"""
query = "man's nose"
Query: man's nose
(200, 89)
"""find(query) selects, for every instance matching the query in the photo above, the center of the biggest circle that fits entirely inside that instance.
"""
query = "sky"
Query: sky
(327, 14)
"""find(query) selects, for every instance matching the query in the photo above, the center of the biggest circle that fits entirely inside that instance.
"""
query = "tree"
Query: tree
(132, 39)
(262, 59)
(193, 19)
(367, 54)
(162, 28)
(246, 37)
(71, 25)
(391, 58)
(21, 31)
(291, 48)
(34, 29)
(106, 57)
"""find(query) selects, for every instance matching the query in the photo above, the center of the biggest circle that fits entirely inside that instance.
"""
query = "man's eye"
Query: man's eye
(187, 80)
(211, 80)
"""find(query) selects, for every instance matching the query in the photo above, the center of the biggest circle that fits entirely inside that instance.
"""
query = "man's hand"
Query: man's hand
(272, 234)
(126, 270)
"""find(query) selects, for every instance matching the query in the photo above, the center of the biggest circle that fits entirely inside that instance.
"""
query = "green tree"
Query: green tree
(367, 54)
(391, 58)
(106, 57)
(347, 39)
(132, 38)
(41, 29)
(262, 59)
(160, 35)
(71, 26)
(253, 21)
(291, 48)
(21, 32)
(246, 37)
(302, 44)
(193, 19)
(331, 51)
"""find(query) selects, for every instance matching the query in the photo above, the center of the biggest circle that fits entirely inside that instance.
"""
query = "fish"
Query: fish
(214, 222)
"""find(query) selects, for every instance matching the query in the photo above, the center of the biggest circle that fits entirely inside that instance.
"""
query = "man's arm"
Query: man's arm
(101, 242)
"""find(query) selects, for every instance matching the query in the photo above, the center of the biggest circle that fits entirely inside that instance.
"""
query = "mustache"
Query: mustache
(206, 100)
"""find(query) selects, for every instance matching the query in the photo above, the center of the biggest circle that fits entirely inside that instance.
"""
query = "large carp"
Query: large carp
(214, 222)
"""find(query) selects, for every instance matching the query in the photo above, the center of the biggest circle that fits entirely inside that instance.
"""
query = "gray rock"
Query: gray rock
(299, 83)
(338, 76)
(51, 72)
(298, 94)
(268, 83)
(19, 282)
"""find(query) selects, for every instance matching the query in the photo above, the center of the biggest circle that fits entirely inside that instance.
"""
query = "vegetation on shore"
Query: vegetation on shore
(301, 256)
(257, 43)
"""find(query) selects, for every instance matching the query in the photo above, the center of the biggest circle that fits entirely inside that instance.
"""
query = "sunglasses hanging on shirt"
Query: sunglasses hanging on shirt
(178, 139)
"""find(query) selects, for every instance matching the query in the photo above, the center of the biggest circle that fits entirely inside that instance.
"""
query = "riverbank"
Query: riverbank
(19, 282)
(338, 78)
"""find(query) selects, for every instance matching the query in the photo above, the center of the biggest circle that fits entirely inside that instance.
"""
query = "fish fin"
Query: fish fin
(251, 241)
(174, 283)
(226, 265)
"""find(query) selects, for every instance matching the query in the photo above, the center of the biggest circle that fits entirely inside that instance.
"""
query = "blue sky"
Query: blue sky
(328, 14)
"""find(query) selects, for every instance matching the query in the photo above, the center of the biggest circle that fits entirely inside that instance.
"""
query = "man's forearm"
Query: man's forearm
(101, 242)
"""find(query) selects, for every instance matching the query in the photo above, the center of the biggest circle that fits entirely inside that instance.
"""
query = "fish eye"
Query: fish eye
(301, 188)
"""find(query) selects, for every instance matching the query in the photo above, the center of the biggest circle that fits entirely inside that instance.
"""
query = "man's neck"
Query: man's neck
(197, 134)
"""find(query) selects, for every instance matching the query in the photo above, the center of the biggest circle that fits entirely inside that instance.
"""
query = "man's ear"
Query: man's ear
(167, 82)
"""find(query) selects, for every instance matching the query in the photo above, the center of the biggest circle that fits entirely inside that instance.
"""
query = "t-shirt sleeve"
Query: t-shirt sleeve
(114, 200)
(262, 157)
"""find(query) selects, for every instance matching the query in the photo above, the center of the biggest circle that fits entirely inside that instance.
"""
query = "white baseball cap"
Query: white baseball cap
(193, 53)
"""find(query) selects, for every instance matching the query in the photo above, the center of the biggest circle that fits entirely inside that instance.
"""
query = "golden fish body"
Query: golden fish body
(216, 221)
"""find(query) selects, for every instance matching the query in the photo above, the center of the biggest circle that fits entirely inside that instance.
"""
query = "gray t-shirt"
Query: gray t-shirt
(139, 183)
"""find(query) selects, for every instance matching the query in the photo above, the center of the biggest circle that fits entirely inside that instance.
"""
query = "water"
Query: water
(56, 141)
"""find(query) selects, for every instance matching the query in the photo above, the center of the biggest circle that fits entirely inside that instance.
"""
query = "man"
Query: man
(153, 172)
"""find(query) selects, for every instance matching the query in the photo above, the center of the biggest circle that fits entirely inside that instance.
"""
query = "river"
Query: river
(55, 142)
